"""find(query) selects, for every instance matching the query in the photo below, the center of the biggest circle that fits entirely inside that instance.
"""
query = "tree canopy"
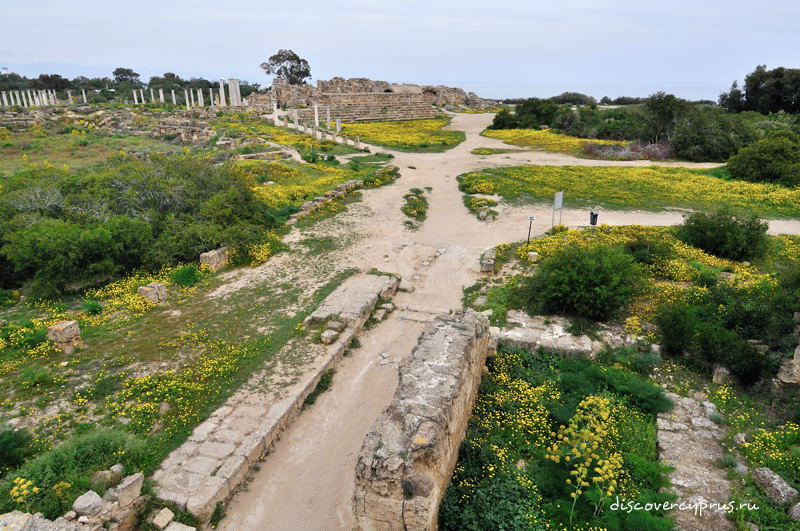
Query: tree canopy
(288, 65)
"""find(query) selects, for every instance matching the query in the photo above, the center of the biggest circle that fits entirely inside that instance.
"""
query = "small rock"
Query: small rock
(741, 469)
(487, 260)
(129, 489)
(105, 478)
(70, 516)
(775, 486)
(480, 300)
(388, 306)
(164, 408)
(163, 518)
(379, 314)
(88, 504)
(336, 326)
(721, 376)
(710, 408)
(328, 336)
(740, 438)
(794, 512)
(155, 292)
(533, 256)
(656, 348)
(727, 275)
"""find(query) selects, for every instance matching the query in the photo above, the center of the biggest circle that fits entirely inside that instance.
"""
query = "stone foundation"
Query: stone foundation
(221, 452)
(407, 458)
(365, 107)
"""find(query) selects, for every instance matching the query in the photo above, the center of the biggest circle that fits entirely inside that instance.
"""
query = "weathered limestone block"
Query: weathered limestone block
(154, 292)
(162, 518)
(775, 486)
(328, 336)
(354, 299)
(129, 489)
(216, 259)
(88, 504)
(789, 372)
(794, 512)
(66, 335)
(177, 526)
(721, 375)
(487, 260)
(408, 457)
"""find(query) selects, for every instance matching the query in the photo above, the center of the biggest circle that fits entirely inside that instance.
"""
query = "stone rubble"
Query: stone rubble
(216, 259)
(780, 492)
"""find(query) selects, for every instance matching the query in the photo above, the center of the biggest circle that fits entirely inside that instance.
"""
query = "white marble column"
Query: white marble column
(161, 95)
(36, 99)
(152, 96)
(316, 115)
(141, 95)
(338, 125)
(83, 91)
(200, 101)
(186, 98)
(191, 95)
(135, 98)
(5, 99)
(174, 101)
(25, 102)
(69, 97)
(210, 96)
(222, 93)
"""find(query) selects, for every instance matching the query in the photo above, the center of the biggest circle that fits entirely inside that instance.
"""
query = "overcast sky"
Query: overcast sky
(498, 49)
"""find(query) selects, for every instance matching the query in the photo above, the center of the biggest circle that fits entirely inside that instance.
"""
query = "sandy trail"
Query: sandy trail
(307, 480)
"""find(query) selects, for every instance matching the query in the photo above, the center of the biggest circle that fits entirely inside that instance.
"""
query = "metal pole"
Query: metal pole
(530, 224)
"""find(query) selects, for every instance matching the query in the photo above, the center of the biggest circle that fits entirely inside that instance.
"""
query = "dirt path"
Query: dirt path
(306, 482)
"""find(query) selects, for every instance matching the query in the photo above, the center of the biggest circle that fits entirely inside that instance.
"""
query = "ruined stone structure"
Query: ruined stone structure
(221, 452)
(361, 99)
(407, 458)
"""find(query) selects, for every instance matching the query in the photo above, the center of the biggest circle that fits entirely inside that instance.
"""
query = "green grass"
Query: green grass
(60, 149)
(375, 157)
(417, 136)
(651, 188)
(415, 206)
(323, 385)
(491, 151)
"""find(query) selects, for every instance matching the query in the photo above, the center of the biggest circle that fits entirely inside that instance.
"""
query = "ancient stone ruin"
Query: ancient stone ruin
(155, 292)
(216, 259)
(407, 458)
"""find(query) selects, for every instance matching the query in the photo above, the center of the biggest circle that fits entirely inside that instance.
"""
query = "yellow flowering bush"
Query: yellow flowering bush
(547, 140)
(649, 188)
(517, 464)
(407, 135)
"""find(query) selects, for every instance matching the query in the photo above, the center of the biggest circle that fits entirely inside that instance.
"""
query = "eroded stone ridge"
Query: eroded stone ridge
(408, 457)
(354, 298)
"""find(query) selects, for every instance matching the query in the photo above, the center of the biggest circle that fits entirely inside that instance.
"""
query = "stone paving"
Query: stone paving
(220, 452)
(690, 442)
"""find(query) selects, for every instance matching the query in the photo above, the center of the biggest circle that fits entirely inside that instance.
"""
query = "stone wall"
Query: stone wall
(407, 458)
(293, 95)
(365, 107)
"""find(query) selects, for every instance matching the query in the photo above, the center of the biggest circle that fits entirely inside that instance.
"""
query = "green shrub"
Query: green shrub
(91, 307)
(594, 282)
(724, 234)
(35, 378)
(649, 250)
(185, 276)
(14, 447)
(772, 159)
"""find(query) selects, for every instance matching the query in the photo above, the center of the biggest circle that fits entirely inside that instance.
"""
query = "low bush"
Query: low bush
(725, 234)
(594, 282)
(774, 159)
(91, 307)
(416, 205)
(15, 445)
(185, 276)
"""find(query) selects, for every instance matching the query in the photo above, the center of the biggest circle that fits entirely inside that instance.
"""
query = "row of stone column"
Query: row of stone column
(296, 118)
(322, 134)
(195, 97)
(34, 98)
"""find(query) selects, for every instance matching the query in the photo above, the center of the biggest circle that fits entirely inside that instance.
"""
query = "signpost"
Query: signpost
(531, 219)
(558, 204)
